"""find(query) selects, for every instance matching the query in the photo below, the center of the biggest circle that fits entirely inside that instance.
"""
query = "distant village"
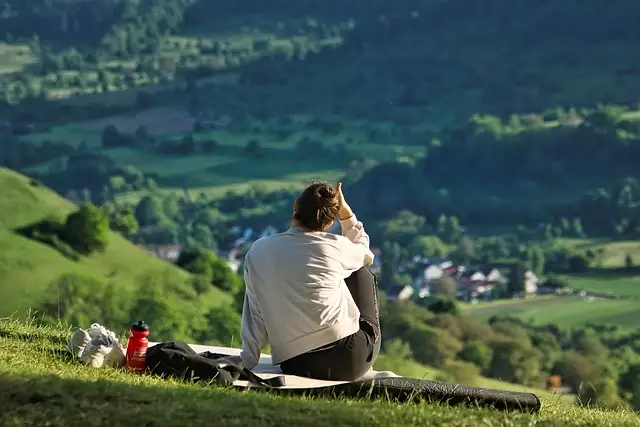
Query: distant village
(472, 284)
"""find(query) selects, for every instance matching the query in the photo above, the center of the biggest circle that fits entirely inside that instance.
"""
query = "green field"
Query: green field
(566, 311)
(14, 58)
(573, 311)
(280, 167)
(34, 368)
(624, 286)
(615, 252)
(27, 266)
(229, 168)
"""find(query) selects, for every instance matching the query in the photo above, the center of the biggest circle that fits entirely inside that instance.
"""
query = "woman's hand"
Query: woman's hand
(345, 210)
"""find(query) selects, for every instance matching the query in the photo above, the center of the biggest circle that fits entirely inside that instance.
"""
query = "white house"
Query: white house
(530, 282)
(433, 272)
(474, 276)
(492, 275)
(443, 263)
(400, 293)
(424, 292)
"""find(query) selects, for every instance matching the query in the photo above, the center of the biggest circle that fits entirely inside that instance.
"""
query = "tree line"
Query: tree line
(599, 364)
(488, 172)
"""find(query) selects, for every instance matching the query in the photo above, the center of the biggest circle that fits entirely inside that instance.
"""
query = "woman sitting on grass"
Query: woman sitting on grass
(309, 294)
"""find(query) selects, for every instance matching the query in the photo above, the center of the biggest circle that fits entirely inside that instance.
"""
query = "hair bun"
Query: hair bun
(317, 206)
(326, 196)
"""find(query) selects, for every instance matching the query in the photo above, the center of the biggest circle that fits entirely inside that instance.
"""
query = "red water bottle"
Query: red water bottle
(137, 346)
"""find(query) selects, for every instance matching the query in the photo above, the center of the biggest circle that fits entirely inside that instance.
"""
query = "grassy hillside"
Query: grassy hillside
(281, 165)
(569, 311)
(623, 286)
(614, 252)
(612, 279)
(27, 266)
(35, 368)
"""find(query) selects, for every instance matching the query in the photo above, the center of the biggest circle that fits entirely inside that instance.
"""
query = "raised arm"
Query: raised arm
(357, 254)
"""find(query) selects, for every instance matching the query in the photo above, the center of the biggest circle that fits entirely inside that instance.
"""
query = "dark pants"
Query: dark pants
(349, 358)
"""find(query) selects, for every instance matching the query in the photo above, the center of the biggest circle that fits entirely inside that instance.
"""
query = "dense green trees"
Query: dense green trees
(511, 350)
(477, 353)
(466, 176)
(122, 220)
(86, 230)
(82, 232)
(149, 211)
(390, 265)
(516, 284)
(612, 212)
(164, 300)
(207, 264)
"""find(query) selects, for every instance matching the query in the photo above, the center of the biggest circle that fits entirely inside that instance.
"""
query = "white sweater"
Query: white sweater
(295, 297)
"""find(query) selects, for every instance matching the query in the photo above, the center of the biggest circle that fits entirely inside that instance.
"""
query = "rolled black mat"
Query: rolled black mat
(402, 389)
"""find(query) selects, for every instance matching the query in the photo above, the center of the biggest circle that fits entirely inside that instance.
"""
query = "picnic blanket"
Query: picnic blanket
(378, 384)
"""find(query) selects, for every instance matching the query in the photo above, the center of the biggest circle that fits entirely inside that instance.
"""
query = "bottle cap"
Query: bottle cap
(140, 326)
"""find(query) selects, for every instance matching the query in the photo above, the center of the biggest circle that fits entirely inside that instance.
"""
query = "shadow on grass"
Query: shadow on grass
(49, 232)
(51, 400)
(54, 401)
(62, 354)
(52, 339)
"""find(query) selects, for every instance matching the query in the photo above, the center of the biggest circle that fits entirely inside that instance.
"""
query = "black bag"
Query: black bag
(176, 359)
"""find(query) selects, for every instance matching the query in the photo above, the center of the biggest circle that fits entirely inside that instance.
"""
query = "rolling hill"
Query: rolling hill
(27, 266)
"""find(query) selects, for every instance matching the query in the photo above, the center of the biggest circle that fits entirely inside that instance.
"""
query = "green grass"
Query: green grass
(617, 285)
(614, 252)
(566, 311)
(41, 385)
(27, 266)
(230, 169)
(571, 311)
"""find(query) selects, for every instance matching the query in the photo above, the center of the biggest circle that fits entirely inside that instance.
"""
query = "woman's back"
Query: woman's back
(295, 281)
(298, 281)
(296, 298)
